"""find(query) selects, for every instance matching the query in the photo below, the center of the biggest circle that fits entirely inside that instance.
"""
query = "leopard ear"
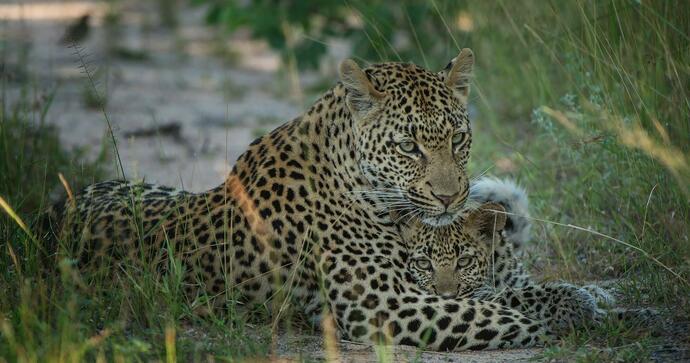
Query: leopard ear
(361, 93)
(488, 219)
(458, 73)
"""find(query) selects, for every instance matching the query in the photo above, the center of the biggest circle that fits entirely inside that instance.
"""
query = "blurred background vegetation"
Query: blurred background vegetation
(586, 103)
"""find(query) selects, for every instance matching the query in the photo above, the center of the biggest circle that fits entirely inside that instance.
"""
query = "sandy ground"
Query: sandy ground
(311, 348)
(219, 109)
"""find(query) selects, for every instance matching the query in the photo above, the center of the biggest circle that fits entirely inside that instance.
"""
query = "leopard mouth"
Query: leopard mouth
(419, 207)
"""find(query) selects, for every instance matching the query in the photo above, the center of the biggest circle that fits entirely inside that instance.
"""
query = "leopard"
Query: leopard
(475, 258)
(450, 261)
(305, 214)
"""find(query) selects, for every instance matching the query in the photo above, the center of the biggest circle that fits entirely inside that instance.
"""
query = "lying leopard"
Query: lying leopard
(307, 207)
(474, 258)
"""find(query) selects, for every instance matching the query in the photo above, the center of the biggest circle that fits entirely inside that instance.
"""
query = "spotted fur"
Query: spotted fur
(306, 210)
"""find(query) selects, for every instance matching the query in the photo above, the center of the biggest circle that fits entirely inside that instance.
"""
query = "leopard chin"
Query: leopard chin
(439, 220)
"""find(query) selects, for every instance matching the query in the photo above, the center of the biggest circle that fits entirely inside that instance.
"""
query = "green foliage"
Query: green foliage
(407, 31)
(275, 21)
(379, 30)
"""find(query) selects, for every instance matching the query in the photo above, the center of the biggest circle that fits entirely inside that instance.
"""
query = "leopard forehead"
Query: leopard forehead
(444, 247)
(420, 99)
(403, 79)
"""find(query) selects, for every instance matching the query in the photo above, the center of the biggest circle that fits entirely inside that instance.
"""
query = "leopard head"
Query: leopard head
(453, 260)
(412, 134)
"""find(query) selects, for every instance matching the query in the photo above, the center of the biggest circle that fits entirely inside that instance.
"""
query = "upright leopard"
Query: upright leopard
(309, 205)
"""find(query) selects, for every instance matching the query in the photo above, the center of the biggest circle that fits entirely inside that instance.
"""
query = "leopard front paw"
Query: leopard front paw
(570, 307)
(637, 316)
(602, 296)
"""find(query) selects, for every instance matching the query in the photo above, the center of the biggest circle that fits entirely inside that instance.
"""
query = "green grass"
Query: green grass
(585, 103)
(586, 76)
(62, 314)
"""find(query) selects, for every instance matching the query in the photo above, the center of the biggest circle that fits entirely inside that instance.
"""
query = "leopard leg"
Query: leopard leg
(380, 307)
(563, 306)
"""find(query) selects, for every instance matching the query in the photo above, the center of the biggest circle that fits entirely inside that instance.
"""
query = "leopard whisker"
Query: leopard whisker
(476, 177)
(410, 214)
(378, 192)
(397, 207)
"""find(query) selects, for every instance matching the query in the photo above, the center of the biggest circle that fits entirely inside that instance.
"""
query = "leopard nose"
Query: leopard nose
(445, 199)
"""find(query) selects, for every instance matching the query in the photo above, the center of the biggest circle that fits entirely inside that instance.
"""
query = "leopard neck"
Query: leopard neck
(328, 124)
(340, 141)
(323, 140)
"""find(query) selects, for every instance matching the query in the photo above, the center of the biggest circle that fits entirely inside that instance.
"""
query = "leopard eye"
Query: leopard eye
(463, 262)
(458, 138)
(408, 146)
(423, 264)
